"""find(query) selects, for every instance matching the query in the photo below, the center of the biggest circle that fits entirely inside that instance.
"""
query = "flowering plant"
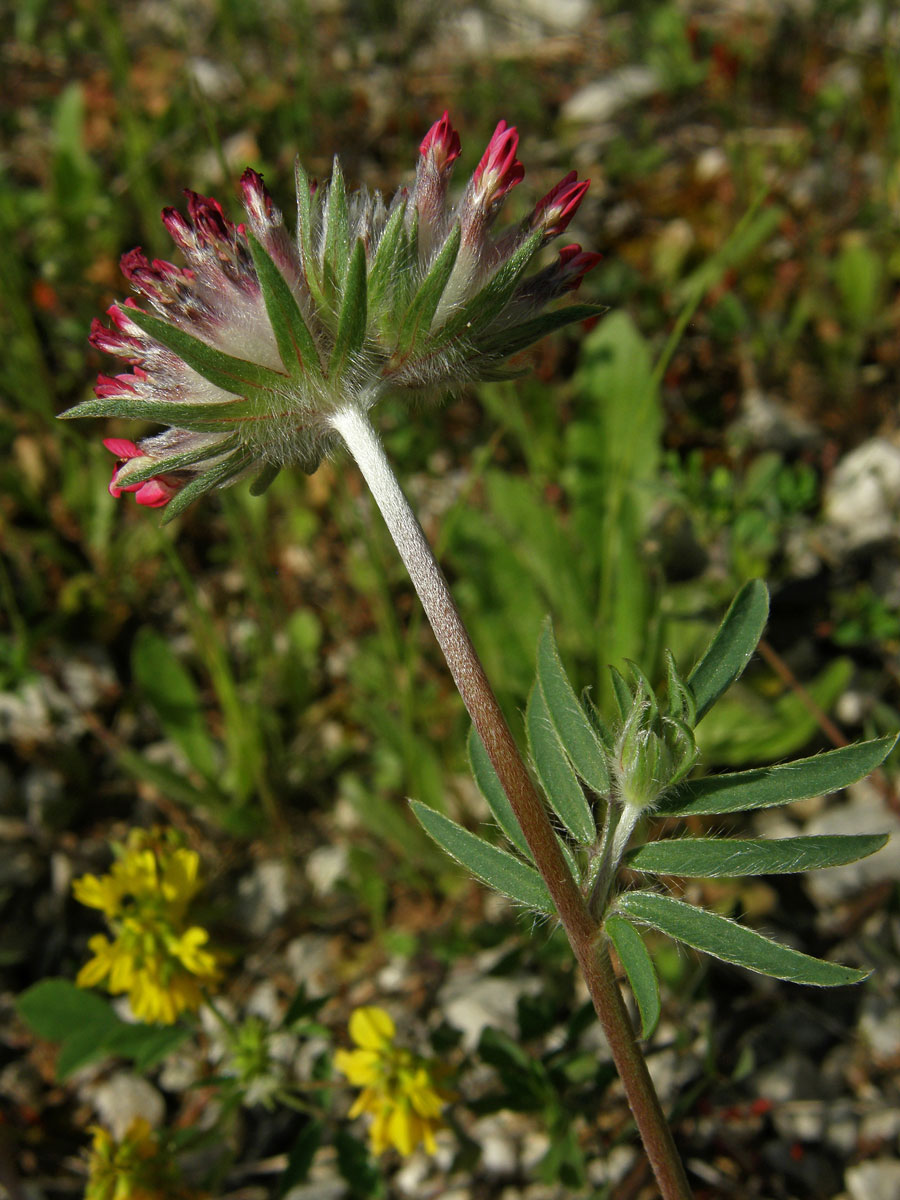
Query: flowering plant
(265, 351)
(156, 955)
(399, 1089)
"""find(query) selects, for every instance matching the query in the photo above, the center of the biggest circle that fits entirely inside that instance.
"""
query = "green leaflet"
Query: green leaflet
(295, 343)
(568, 717)
(201, 418)
(732, 646)
(235, 375)
(424, 304)
(89, 1029)
(638, 966)
(734, 943)
(710, 858)
(304, 215)
(351, 331)
(492, 790)
(767, 787)
(494, 866)
(558, 779)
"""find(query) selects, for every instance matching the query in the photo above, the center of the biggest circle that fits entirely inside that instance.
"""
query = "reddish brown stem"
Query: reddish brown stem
(465, 666)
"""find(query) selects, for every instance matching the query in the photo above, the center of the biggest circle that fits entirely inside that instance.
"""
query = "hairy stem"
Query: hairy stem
(581, 929)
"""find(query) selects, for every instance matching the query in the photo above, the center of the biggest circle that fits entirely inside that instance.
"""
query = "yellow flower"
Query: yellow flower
(399, 1088)
(156, 956)
(139, 1167)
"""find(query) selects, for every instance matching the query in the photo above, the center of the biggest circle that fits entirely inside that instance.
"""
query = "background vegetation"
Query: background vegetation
(258, 673)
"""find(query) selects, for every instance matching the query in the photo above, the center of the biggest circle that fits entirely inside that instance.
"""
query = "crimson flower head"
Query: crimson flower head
(247, 351)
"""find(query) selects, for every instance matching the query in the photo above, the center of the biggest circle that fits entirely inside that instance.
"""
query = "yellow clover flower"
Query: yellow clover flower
(139, 1167)
(399, 1088)
(155, 956)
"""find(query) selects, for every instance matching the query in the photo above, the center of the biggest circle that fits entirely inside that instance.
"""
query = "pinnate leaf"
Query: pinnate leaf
(725, 939)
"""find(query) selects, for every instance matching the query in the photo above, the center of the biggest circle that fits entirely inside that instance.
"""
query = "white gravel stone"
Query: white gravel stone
(264, 896)
(879, 1026)
(601, 100)
(326, 866)
(883, 1125)
(863, 811)
(471, 1003)
(308, 959)
(122, 1097)
(878, 1179)
(862, 496)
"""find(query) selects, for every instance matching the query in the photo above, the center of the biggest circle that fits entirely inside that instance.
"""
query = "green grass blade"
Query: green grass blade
(568, 717)
(295, 343)
(492, 790)
(712, 858)
(493, 866)
(558, 779)
(734, 943)
(638, 965)
(732, 646)
(768, 787)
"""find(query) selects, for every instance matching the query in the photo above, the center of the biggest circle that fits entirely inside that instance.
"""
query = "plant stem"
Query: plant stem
(581, 929)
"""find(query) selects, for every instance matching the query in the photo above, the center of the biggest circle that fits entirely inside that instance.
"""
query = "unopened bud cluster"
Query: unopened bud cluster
(655, 749)
(248, 350)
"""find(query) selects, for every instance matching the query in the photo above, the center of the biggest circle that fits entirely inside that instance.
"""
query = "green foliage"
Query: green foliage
(555, 772)
(647, 756)
(635, 959)
(494, 866)
(732, 647)
(172, 693)
(88, 1029)
(725, 939)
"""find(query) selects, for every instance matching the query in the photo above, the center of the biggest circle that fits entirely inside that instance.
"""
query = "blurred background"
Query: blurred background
(258, 674)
